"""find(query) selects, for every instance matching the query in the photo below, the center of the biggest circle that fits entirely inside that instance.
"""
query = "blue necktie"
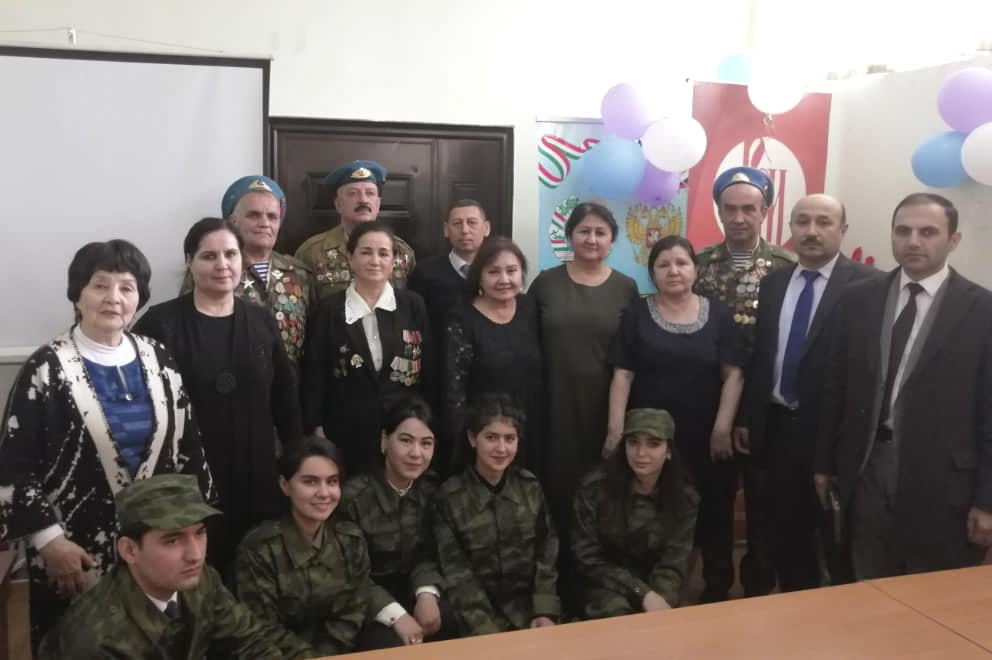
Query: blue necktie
(797, 339)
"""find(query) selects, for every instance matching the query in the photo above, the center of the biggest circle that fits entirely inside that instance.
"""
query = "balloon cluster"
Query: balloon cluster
(775, 83)
(644, 156)
(950, 158)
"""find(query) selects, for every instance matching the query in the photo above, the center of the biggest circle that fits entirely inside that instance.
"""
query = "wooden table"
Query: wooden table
(960, 600)
(851, 621)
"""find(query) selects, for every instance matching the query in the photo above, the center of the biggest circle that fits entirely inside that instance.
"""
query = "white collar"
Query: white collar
(161, 604)
(825, 271)
(457, 262)
(930, 283)
(355, 307)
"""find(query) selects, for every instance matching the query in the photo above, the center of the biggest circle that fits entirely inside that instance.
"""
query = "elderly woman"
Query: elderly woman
(308, 571)
(492, 345)
(681, 352)
(496, 543)
(391, 507)
(90, 412)
(239, 378)
(368, 347)
(579, 305)
(634, 522)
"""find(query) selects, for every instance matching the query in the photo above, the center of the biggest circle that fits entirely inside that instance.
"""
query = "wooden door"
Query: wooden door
(429, 167)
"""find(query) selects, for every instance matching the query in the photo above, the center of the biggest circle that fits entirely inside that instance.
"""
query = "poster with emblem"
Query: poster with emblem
(561, 146)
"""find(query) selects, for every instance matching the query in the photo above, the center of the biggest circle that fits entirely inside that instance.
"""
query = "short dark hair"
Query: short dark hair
(667, 243)
(406, 408)
(923, 198)
(465, 203)
(205, 226)
(368, 228)
(135, 532)
(301, 450)
(115, 256)
(491, 248)
(584, 209)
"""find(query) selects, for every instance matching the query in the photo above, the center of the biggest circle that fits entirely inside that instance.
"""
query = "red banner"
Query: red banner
(791, 148)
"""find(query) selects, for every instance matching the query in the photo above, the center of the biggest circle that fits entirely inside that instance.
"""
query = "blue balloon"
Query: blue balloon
(937, 161)
(735, 68)
(613, 168)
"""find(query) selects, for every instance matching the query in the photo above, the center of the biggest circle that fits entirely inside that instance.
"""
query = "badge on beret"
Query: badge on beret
(740, 177)
(361, 173)
(259, 186)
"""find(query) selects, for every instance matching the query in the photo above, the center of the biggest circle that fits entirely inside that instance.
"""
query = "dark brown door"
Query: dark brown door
(430, 166)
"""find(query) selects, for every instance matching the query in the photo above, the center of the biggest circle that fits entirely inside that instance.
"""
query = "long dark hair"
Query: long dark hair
(619, 484)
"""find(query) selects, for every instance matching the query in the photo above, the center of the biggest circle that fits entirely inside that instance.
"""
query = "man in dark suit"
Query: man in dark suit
(780, 405)
(906, 412)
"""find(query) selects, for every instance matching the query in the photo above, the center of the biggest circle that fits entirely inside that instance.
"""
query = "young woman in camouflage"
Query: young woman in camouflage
(634, 521)
(496, 544)
(308, 572)
(391, 505)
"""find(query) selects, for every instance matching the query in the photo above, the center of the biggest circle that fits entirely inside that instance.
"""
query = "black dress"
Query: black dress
(482, 356)
(242, 387)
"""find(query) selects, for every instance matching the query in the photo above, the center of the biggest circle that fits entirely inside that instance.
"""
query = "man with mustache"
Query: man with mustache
(779, 411)
(905, 415)
(357, 190)
(161, 600)
(731, 272)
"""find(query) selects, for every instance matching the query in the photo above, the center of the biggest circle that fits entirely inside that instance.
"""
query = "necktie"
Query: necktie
(797, 339)
(900, 335)
(172, 609)
(463, 270)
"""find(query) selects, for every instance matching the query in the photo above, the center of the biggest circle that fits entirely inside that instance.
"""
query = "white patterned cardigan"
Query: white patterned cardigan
(59, 463)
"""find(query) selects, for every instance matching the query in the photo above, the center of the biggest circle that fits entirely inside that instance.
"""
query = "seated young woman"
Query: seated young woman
(496, 545)
(308, 572)
(634, 522)
(390, 504)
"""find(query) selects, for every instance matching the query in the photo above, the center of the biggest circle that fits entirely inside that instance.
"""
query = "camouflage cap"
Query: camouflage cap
(164, 501)
(656, 423)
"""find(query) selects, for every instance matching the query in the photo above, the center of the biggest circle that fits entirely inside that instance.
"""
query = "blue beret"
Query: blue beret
(748, 175)
(355, 172)
(247, 184)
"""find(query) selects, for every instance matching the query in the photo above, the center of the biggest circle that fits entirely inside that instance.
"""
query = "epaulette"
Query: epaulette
(262, 533)
(348, 528)
(784, 253)
(289, 261)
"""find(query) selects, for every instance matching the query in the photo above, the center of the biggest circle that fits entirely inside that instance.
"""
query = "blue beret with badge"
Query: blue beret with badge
(357, 171)
(247, 184)
(749, 175)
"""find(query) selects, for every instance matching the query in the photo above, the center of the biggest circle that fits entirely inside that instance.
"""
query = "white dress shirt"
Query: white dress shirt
(459, 264)
(356, 309)
(161, 604)
(796, 285)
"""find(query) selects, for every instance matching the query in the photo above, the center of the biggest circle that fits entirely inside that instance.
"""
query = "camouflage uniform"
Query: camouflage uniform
(738, 288)
(289, 293)
(623, 550)
(325, 255)
(497, 551)
(317, 595)
(400, 542)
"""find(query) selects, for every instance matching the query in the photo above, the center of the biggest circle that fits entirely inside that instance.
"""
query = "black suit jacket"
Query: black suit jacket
(441, 287)
(760, 379)
(942, 417)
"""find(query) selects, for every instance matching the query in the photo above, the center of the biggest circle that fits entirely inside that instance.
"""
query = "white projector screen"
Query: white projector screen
(95, 146)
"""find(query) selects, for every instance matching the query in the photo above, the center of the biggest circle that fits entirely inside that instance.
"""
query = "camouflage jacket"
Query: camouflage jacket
(632, 547)
(324, 254)
(497, 550)
(318, 596)
(397, 532)
(289, 293)
(738, 288)
(115, 619)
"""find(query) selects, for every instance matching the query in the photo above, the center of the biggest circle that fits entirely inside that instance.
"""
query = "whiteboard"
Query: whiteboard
(97, 146)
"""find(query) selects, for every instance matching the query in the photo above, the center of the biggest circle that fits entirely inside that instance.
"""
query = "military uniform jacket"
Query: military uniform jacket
(632, 547)
(115, 619)
(325, 255)
(289, 293)
(738, 288)
(498, 551)
(400, 541)
(318, 596)
(60, 464)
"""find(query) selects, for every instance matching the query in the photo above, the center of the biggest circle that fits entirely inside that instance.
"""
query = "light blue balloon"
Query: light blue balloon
(735, 68)
(937, 161)
(613, 168)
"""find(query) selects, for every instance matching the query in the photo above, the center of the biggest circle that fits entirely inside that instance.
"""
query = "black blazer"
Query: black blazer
(341, 389)
(441, 287)
(942, 418)
(760, 379)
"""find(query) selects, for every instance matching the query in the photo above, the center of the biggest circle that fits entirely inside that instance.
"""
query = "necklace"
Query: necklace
(127, 390)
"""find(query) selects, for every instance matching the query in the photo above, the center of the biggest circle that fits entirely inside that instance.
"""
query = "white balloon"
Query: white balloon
(976, 154)
(674, 144)
(776, 86)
